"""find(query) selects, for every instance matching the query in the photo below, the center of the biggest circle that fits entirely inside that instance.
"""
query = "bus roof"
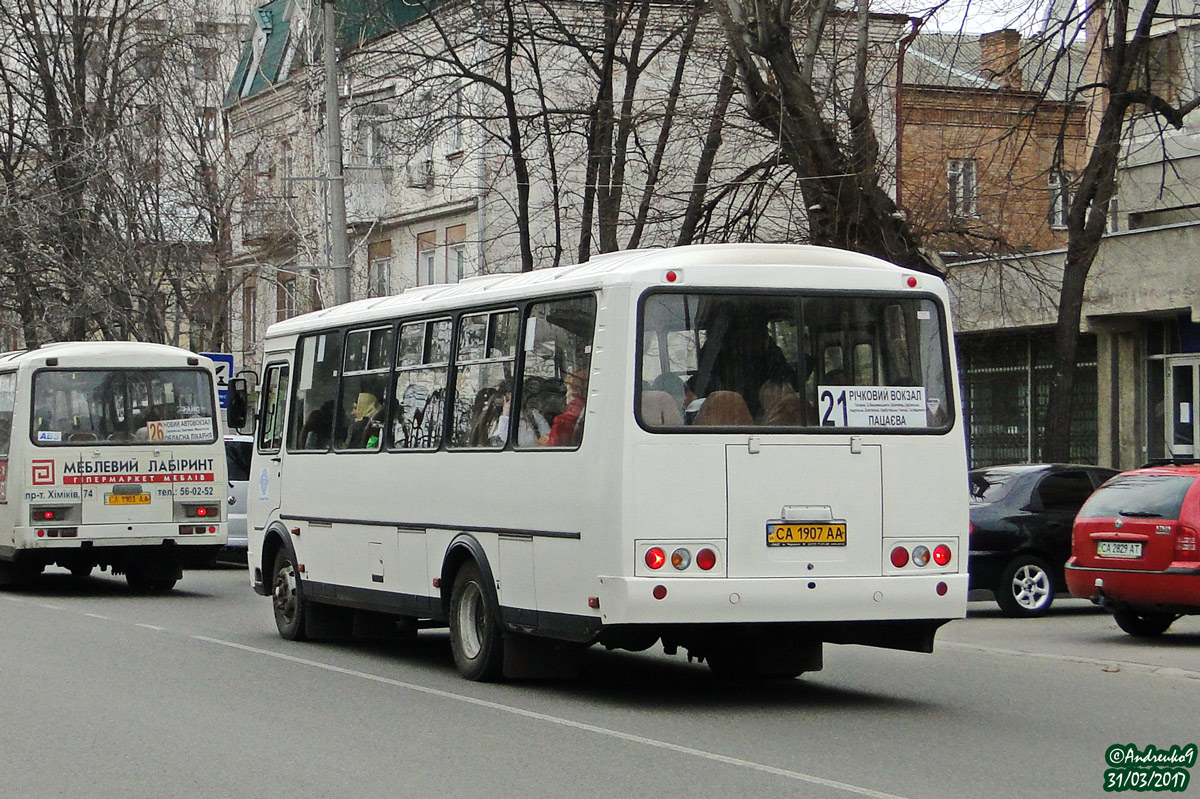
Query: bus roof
(627, 266)
(99, 353)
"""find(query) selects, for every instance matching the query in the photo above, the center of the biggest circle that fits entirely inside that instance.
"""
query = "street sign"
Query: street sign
(223, 362)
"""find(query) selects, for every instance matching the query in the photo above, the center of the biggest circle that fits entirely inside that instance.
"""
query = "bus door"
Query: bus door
(266, 470)
(118, 487)
(804, 510)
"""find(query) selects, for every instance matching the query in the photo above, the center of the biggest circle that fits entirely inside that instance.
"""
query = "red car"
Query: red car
(1133, 548)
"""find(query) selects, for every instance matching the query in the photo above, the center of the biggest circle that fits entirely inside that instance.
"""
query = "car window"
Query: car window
(1153, 496)
(990, 485)
(1064, 491)
(237, 457)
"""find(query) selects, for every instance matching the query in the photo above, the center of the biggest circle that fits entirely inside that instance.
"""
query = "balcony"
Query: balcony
(267, 219)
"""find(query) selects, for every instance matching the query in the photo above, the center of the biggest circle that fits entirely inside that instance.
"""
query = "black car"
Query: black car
(1021, 519)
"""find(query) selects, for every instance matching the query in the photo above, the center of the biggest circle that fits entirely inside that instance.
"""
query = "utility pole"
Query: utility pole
(339, 243)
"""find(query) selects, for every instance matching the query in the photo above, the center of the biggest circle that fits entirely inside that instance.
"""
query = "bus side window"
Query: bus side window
(320, 360)
(554, 380)
(483, 379)
(364, 396)
(422, 366)
(274, 405)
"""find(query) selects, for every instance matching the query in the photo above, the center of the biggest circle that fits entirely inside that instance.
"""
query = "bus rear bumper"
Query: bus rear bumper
(632, 600)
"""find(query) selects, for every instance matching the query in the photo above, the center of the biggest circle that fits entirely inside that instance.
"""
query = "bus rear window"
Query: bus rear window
(866, 361)
(115, 406)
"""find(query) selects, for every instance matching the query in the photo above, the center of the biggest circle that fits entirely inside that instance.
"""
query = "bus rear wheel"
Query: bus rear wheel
(476, 639)
(287, 601)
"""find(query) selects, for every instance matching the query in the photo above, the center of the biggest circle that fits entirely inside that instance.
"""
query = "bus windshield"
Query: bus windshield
(115, 406)
(865, 361)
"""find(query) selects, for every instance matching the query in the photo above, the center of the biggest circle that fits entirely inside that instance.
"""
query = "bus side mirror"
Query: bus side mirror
(238, 404)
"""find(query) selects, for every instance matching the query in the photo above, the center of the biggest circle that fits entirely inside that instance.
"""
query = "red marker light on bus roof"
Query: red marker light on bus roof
(911, 282)
(673, 276)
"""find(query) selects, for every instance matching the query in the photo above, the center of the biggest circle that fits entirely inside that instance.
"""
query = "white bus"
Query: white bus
(111, 456)
(743, 450)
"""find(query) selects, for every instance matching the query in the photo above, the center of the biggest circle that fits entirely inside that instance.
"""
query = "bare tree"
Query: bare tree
(608, 122)
(782, 49)
(1124, 84)
(111, 228)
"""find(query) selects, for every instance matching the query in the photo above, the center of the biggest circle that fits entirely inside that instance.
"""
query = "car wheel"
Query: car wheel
(1143, 625)
(286, 599)
(1026, 588)
(476, 639)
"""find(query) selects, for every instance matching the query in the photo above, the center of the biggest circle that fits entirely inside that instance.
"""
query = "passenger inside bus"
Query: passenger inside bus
(741, 355)
(567, 427)
(314, 434)
(780, 404)
(660, 409)
(366, 422)
(724, 408)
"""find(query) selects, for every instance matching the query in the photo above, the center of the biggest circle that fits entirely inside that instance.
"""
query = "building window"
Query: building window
(1060, 198)
(209, 123)
(249, 317)
(420, 168)
(148, 57)
(379, 268)
(149, 118)
(1113, 225)
(960, 182)
(369, 136)
(426, 257)
(205, 64)
(285, 301)
(456, 253)
(457, 122)
(1164, 61)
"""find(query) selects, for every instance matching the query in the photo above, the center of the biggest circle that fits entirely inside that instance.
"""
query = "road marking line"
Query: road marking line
(532, 714)
(1169, 671)
(151, 627)
(48, 606)
(98, 616)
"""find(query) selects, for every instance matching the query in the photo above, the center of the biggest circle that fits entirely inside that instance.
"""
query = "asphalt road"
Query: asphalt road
(109, 694)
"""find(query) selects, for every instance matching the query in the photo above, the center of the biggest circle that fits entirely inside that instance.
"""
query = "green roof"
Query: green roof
(358, 21)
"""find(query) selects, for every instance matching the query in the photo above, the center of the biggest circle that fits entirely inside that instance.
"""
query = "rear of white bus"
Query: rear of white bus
(797, 473)
(117, 466)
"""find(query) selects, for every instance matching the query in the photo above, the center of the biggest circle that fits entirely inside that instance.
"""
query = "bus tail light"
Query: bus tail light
(59, 532)
(655, 558)
(681, 559)
(202, 511)
(197, 529)
(43, 515)
(909, 554)
(706, 559)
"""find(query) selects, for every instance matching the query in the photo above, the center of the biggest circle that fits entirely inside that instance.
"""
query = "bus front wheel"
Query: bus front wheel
(286, 599)
(476, 639)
